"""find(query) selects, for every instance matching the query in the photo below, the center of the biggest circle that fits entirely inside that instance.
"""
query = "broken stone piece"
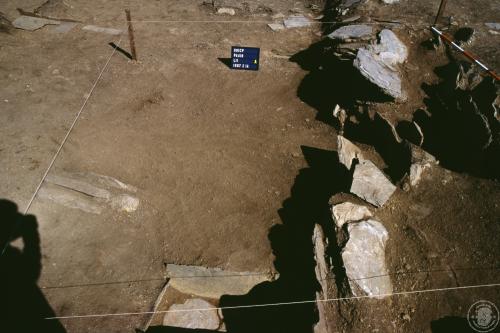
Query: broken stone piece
(354, 31)
(109, 31)
(390, 2)
(347, 151)
(420, 161)
(347, 212)
(89, 192)
(297, 21)
(64, 27)
(390, 49)
(378, 63)
(193, 280)
(32, 23)
(186, 316)
(370, 184)
(226, 11)
(321, 269)
(494, 26)
(364, 259)
(276, 26)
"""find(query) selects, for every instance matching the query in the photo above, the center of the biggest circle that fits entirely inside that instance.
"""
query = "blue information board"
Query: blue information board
(245, 58)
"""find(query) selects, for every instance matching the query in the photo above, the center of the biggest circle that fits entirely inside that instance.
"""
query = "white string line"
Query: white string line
(277, 304)
(244, 21)
(70, 129)
(260, 274)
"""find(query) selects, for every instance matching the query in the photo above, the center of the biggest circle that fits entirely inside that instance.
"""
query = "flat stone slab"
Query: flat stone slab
(186, 315)
(492, 25)
(212, 282)
(109, 31)
(297, 21)
(354, 31)
(347, 212)
(364, 259)
(378, 62)
(276, 26)
(89, 192)
(31, 23)
(370, 184)
(378, 73)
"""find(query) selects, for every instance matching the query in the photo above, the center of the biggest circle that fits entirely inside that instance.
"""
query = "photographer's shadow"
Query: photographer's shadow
(23, 306)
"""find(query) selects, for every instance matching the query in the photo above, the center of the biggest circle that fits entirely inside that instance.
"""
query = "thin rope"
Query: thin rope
(246, 21)
(263, 274)
(277, 304)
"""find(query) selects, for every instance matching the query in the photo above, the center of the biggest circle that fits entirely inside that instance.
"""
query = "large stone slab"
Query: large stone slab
(370, 66)
(193, 314)
(364, 259)
(354, 31)
(347, 212)
(297, 21)
(89, 192)
(32, 23)
(212, 282)
(370, 184)
(378, 63)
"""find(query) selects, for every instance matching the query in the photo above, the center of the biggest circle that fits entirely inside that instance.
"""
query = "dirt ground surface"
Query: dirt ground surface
(217, 159)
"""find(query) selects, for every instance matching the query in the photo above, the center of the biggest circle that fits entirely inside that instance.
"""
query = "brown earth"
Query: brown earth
(219, 157)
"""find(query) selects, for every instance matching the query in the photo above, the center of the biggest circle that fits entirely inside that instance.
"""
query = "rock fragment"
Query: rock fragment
(355, 31)
(347, 152)
(492, 25)
(321, 270)
(109, 31)
(296, 21)
(364, 259)
(89, 192)
(32, 23)
(276, 26)
(390, 49)
(186, 316)
(420, 161)
(370, 184)
(226, 11)
(219, 283)
(347, 212)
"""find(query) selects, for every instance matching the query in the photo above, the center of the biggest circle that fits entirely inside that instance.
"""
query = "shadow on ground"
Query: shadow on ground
(454, 125)
(292, 246)
(451, 324)
(23, 306)
(331, 81)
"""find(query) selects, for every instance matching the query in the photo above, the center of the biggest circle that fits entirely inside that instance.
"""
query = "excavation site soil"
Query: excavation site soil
(183, 180)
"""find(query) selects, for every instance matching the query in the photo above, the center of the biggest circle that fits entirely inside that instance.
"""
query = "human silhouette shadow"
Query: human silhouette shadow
(292, 247)
(23, 306)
